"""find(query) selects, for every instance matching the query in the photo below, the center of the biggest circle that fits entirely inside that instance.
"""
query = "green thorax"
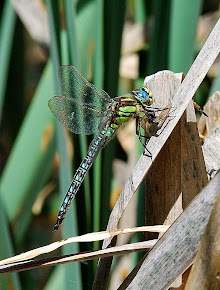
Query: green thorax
(128, 107)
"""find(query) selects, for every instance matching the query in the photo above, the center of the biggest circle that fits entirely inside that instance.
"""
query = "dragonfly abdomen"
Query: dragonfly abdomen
(96, 145)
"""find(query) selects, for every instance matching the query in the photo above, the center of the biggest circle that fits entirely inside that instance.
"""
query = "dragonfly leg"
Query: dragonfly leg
(147, 152)
(198, 108)
(140, 137)
(153, 119)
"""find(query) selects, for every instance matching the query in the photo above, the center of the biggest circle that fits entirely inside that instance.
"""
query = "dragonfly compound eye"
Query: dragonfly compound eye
(144, 95)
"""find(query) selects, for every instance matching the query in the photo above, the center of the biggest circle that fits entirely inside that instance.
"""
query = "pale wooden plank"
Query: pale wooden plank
(212, 109)
(176, 249)
(193, 170)
(211, 151)
(205, 273)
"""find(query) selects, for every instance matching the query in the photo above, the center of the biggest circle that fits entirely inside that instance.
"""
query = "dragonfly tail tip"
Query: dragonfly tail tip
(58, 223)
(55, 228)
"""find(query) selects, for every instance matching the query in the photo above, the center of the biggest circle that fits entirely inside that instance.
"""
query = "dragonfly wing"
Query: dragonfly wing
(82, 104)
(75, 86)
(78, 118)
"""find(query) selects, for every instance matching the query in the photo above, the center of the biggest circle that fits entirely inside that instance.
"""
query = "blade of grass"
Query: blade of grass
(6, 250)
(98, 81)
(114, 12)
(7, 27)
(28, 151)
(65, 172)
(56, 279)
(70, 11)
(159, 42)
(38, 182)
(183, 24)
(86, 33)
(140, 10)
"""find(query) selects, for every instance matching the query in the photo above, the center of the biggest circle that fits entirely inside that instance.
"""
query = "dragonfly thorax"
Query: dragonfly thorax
(143, 95)
(123, 109)
(128, 107)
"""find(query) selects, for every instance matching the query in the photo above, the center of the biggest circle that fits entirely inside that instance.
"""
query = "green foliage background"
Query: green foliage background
(91, 40)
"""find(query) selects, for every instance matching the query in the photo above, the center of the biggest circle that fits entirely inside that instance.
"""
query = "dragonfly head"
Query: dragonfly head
(143, 95)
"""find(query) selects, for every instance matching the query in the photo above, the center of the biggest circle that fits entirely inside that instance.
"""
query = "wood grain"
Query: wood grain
(205, 273)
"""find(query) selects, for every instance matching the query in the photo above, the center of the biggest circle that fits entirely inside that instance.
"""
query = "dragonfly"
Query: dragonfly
(84, 109)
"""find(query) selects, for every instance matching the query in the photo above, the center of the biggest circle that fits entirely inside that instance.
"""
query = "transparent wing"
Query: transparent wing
(78, 118)
(76, 87)
(83, 105)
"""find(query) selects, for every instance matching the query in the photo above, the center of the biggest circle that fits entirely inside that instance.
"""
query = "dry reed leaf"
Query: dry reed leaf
(91, 237)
